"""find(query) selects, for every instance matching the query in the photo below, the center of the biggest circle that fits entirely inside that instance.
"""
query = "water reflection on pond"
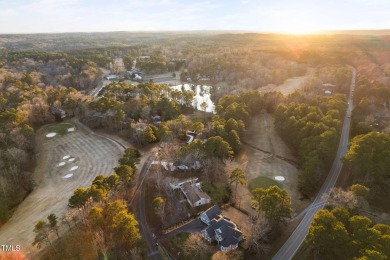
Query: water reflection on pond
(202, 94)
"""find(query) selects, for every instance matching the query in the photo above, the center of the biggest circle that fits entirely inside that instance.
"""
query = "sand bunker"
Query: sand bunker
(66, 157)
(68, 176)
(74, 168)
(50, 135)
(71, 159)
(71, 129)
(279, 178)
(61, 164)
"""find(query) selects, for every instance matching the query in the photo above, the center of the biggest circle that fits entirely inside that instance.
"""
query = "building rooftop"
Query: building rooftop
(227, 231)
(213, 212)
(193, 193)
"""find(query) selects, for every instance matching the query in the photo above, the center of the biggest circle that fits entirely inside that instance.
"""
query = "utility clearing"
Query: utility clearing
(64, 164)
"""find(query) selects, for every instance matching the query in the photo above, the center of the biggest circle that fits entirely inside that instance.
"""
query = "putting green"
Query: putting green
(263, 182)
(61, 128)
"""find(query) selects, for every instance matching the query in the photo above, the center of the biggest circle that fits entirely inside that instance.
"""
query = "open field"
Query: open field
(64, 163)
(290, 85)
(262, 134)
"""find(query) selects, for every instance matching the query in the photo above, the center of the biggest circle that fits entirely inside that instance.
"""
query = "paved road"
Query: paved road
(94, 93)
(139, 208)
(138, 200)
(291, 246)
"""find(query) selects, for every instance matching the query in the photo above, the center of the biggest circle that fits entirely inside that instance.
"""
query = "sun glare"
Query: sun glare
(299, 28)
(299, 23)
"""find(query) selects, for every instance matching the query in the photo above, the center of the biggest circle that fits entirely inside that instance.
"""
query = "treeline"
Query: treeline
(103, 56)
(104, 220)
(340, 234)
(21, 108)
(130, 110)
(328, 54)
(100, 56)
(244, 68)
(156, 63)
(142, 113)
(311, 126)
(370, 95)
(368, 158)
(337, 75)
(144, 100)
(56, 68)
(372, 101)
(24, 106)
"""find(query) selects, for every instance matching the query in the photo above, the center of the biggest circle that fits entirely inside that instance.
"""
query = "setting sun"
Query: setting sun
(299, 29)
(299, 22)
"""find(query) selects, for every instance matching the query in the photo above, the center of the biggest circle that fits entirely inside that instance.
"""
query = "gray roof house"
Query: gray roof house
(220, 229)
(192, 190)
(58, 112)
(211, 213)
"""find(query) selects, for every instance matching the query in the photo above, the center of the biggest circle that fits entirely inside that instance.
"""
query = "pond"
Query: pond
(202, 94)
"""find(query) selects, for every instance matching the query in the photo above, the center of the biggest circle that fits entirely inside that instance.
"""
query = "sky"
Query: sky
(283, 16)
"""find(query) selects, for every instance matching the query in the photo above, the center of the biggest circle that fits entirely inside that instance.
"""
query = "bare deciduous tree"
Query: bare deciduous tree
(257, 238)
(341, 198)
(231, 255)
(196, 246)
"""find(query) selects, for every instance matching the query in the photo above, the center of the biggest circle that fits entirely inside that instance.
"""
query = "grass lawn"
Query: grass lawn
(61, 128)
(263, 182)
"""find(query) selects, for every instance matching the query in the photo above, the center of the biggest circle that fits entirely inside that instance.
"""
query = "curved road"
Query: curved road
(291, 246)
(138, 203)
(138, 200)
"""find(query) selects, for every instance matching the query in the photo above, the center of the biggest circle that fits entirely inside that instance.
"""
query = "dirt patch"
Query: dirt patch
(93, 155)
(290, 85)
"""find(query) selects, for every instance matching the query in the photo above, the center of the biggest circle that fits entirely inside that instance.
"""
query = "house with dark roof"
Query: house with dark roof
(220, 229)
(210, 214)
(58, 113)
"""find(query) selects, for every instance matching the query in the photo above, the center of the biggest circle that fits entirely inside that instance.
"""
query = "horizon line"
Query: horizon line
(330, 31)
